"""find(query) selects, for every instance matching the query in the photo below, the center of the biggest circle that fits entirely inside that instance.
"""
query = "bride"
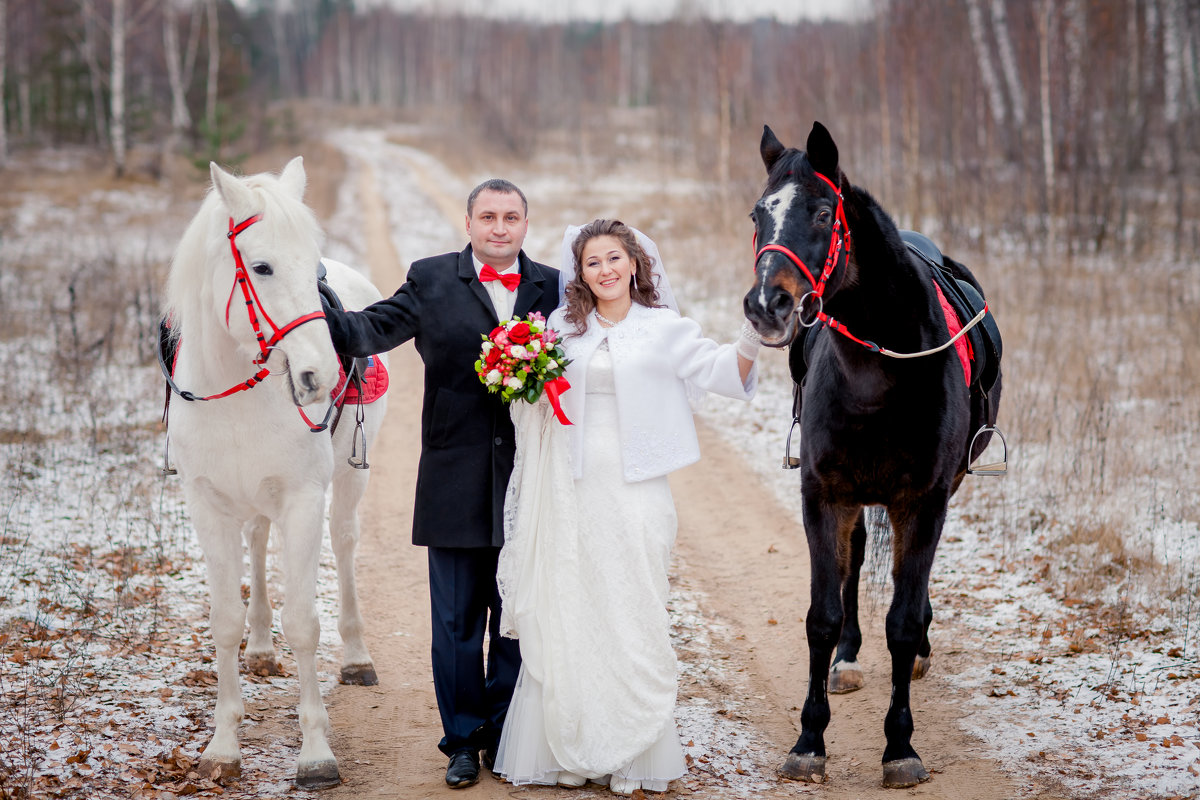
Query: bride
(589, 522)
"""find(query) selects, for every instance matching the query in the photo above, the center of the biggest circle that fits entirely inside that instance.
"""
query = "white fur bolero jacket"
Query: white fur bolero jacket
(654, 352)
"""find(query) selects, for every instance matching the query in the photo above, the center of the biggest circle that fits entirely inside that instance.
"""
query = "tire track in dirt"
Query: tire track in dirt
(741, 560)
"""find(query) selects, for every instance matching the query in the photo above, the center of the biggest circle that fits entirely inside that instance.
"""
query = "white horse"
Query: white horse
(247, 458)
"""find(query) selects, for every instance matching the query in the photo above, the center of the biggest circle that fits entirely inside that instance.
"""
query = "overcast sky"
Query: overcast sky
(609, 10)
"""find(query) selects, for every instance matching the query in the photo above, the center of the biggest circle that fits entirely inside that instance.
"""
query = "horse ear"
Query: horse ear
(822, 152)
(239, 198)
(770, 148)
(293, 177)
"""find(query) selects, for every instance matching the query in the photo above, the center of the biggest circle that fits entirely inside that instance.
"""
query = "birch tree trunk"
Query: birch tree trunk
(180, 118)
(1008, 60)
(885, 112)
(1173, 103)
(283, 57)
(117, 85)
(1044, 13)
(3, 83)
(345, 66)
(214, 67)
(987, 71)
(96, 78)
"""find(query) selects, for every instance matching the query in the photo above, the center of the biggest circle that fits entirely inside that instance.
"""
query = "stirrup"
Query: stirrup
(167, 470)
(359, 433)
(996, 468)
(790, 461)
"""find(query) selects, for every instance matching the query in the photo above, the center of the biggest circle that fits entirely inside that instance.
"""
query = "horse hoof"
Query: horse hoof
(807, 768)
(360, 675)
(845, 677)
(921, 667)
(219, 770)
(903, 773)
(263, 665)
(321, 775)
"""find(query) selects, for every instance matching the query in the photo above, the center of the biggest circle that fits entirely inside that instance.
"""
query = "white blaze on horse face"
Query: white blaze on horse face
(776, 205)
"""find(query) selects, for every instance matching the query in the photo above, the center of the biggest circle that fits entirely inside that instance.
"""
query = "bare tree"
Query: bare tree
(120, 27)
(885, 111)
(1173, 104)
(3, 82)
(179, 67)
(214, 68)
(1008, 60)
(1044, 13)
(983, 54)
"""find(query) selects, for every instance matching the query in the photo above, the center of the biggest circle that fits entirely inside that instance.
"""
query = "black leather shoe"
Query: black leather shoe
(489, 760)
(463, 770)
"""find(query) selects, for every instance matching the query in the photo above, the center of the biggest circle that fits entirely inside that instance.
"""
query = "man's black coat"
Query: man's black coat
(467, 445)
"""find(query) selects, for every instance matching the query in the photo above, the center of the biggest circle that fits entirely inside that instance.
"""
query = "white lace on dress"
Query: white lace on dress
(583, 577)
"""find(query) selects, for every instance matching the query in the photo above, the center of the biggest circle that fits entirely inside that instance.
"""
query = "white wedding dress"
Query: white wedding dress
(583, 576)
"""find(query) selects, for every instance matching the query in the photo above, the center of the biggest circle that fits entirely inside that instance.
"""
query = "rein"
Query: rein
(839, 243)
(242, 279)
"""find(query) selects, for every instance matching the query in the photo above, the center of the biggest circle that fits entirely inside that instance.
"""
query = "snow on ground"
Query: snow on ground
(102, 596)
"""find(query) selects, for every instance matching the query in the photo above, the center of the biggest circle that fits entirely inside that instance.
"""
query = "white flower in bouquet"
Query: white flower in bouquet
(493, 377)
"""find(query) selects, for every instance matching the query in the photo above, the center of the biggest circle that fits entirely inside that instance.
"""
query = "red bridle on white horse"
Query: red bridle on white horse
(254, 308)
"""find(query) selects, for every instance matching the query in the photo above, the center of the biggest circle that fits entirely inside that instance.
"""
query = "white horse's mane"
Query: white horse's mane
(204, 249)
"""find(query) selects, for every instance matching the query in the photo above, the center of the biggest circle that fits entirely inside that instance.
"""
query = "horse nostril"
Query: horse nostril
(308, 379)
(780, 305)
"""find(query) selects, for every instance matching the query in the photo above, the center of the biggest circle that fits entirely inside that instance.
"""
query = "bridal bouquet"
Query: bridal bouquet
(520, 359)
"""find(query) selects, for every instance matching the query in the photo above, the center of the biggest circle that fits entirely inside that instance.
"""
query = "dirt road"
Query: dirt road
(740, 595)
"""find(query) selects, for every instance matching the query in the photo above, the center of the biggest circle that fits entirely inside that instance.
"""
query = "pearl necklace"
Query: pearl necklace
(606, 320)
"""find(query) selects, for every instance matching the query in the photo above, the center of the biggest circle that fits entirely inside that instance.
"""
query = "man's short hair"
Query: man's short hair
(496, 185)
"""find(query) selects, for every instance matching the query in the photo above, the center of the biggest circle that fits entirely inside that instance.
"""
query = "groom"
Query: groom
(467, 451)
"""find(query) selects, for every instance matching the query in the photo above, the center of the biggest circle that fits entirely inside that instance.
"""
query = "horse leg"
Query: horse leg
(302, 530)
(916, 541)
(846, 675)
(260, 650)
(221, 543)
(925, 651)
(824, 528)
(349, 485)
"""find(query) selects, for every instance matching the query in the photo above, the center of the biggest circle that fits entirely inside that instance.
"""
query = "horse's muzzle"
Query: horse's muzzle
(772, 313)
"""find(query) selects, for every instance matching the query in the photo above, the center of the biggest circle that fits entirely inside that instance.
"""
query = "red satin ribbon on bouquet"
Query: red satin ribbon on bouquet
(553, 389)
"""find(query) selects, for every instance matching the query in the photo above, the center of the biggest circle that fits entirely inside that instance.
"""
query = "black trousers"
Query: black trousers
(472, 698)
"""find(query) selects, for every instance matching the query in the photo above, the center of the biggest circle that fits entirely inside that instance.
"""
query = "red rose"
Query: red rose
(519, 333)
(492, 357)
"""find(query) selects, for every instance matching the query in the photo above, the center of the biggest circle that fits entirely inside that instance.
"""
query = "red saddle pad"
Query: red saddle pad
(374, 383)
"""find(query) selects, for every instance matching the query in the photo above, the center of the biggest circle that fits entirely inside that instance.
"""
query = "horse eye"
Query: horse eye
(823, 216)
(263, 269)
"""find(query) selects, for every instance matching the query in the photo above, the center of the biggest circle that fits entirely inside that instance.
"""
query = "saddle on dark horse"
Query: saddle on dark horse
(965, 297)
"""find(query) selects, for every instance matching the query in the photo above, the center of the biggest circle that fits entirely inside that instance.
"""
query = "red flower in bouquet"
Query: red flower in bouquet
(520, 359)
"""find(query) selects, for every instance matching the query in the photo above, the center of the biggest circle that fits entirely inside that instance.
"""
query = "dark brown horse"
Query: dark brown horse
(886, 412)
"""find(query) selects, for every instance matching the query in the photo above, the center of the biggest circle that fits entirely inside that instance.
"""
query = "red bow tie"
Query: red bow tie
(510, 279)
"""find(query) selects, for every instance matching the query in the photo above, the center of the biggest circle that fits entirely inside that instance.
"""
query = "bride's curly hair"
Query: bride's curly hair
(580, 300)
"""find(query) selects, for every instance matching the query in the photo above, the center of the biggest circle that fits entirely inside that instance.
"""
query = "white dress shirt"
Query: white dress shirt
(503, 300)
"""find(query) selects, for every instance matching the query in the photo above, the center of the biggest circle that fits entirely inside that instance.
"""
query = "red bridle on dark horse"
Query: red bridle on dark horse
(839, 244)
(242, 279)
